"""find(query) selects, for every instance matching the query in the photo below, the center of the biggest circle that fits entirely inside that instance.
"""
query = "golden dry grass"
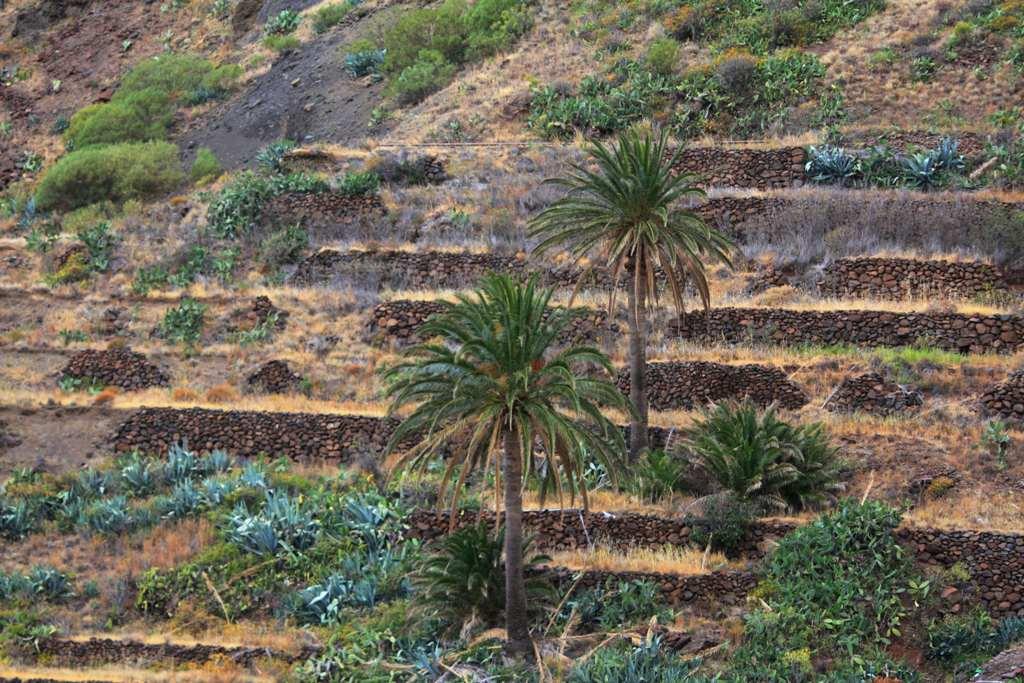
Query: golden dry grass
(122, 674)
(667, 559)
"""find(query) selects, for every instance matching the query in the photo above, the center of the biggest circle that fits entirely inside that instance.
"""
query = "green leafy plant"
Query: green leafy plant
(327, 17)
(184, 323)
(100, 243)
(69, 336)
(428, 74)
(662, 56)
(723, 524)
(359, 184)
(644, 663)
(830, 165)
(657, 475)
(238, 207)
(282, 23)
(996, 441)
(283, 246)
(763, 459)
(364, 62)
(271, 157)
(205, 167)
(464, 578)
(971, 637)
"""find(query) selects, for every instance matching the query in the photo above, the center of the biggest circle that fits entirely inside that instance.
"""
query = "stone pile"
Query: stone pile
(319, 209)
(872, 393)
(258, 313)
(570, 529)
(94, 651)
(760, 169)
(971, 144)
(404, 168)
(1006, 399)
(950, 331)
(249, 434)
(275, 377)
(995, 562)
(695, 384)
(398, 321)
(115, 367)
(710, 591)
(895, 278)
(730, 213)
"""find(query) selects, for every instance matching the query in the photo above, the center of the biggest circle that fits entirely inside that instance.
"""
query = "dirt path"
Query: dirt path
(55, 439)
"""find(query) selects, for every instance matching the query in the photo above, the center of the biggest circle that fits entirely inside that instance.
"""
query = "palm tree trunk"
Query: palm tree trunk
(517, 625)
(637, 366)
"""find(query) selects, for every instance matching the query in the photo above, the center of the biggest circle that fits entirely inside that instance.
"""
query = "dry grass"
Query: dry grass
(122, 674)
(667, 559)
(977, 509)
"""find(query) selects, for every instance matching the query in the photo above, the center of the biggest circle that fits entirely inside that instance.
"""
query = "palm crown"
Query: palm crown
(628, 212)
(496, 372)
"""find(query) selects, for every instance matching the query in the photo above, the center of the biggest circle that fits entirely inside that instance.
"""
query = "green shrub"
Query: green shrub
(761, 458)
(493, 26)
(281, 43)
(834, 587)
(428, 74)
(359, 184)
(614, 605)
(178, 76)
(100, 242)
(237, 208)
(284, 22)
(184, 323)
(115, 172)
(465, 575)
(137, 117)
(723, 525)
(271, 157)
(662, 56)
(438, 30)
(644, 663)
(206, 166)
(328, 16)
(283, 246)
(971, 637)
(657, 475)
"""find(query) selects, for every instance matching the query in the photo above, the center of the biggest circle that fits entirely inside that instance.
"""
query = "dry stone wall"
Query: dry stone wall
(872, 393)
(398, 321)
(319, 210)
(693, 384)
(995, 562)
(116, 367)
(570, 529)
(1006, 399)
(275, 377)
(760, 169)
(95, 651)
(894, 278)
(950, 331)
(249, 434)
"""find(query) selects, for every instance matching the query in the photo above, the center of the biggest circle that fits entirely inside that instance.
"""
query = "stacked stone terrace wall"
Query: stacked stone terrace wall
(949, 331)
(94, 651)
(894, 278)
(1006, 399)
(249, 434)
(398, 321)
(116, 367)
(760, 169)
(570, 529)
(693, 384)
(275, 377)
(872, 393)
(710, 591)
(995, 562)
(319, 209)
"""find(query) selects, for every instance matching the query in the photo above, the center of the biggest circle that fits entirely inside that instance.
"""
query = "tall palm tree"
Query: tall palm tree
(626, 213)
(495, 384)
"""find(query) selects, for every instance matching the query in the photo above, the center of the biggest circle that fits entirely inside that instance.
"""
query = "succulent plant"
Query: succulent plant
(921, 170)
(16, 520)
(181, 464)
(138, 478)
(830, 165)
(216, 461)
(109, 516)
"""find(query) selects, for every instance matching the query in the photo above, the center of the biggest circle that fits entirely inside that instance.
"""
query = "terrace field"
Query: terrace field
(224, 224)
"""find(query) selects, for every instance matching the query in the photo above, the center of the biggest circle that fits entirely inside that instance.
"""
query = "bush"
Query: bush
(724, 524)
(615, 605)
(99, 242)
(662, 56)
(178, 75)
(364, 62)
(184, 323)
(438, 31)
(206, 166)
(283, 23)
(283, 246)
(736, 72)
(359, 184)
(271, 157)
(237, 208)
(137, 117)
(428, 74)
(465, 576)
(281, 43)
(115, 172)
(971, 636)
(645, 663)
(833, 588)
(329, 16)
(760, 458)
(657, 475)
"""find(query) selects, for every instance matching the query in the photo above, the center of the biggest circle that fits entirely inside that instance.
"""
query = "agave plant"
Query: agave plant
(947, 155)
(214, 491)
(921, 170)
(830, 165)
(181, 464)
(295, 526)
(253, 476)
(465, 578)
(322, 603)
(50, 584)
(183, 501)
(138, 478)
(216, 462)
(109, 517)
(94, 484)
(254, 535)
(16, 520)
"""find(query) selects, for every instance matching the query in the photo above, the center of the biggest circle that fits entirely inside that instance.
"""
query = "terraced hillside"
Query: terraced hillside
(224, 223)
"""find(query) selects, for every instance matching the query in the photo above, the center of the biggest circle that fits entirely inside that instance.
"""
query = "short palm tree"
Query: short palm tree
(495, 384)
(626, 213)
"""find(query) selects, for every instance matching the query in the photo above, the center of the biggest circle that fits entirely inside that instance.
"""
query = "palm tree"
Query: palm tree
(495, 384)
(627, 214)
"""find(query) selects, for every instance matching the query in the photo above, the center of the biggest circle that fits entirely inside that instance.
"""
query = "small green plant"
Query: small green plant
(723, 524)
(364, 62)
(69, 336)
(271, 157)
(205, 167)
(429, 73)
(40, 239)
(149, 278)
(662, 56)
(260, 333)
(996, 441)
(100, 242)
(283, 246)
(657, 475)
(359, 184)
(223, 264)
(283, 23)
(70, 384)
(328, 16)
(644, 663)
(922, 69)
(281, 43)
(184, 323)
